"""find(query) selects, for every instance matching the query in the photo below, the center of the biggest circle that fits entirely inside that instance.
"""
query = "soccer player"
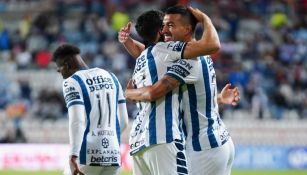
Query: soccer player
(209, 147)
(155, 139)
(97, 114)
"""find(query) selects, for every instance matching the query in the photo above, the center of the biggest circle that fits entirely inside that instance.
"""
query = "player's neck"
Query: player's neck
(82, 67)
(189, 38)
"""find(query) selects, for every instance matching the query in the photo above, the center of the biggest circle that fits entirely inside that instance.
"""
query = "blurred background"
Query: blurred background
(264, 53)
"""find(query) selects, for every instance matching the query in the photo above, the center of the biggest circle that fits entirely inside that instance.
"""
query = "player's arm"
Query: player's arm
(229, 96)
(73, 163)
(122, 116)
(133, 47)
(153, 92)
(122, 111)
(76, 114)
(76, 118)
(177, 74)
(209, 42)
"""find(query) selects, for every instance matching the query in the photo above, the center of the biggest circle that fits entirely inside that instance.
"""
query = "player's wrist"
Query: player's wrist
(73, 157)
(219, 98)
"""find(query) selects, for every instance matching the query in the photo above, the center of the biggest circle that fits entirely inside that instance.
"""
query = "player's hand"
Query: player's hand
(230, 96)
(74, 167)
(130, 84)
(124, 33)
(199, 15)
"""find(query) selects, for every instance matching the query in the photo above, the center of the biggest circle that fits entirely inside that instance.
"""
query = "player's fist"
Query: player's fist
(124, 33)
(199, 15)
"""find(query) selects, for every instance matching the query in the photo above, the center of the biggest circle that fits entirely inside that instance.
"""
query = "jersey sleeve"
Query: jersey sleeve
(76, 115)
(122, 109)
(172, 49)
(185, 71)
(72, 93)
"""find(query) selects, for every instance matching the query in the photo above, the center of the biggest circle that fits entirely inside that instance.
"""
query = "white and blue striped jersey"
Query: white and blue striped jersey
(99, 96)
(157, 121)
(202, 125)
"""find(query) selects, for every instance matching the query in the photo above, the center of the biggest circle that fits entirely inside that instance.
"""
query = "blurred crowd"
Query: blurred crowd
(264, 49)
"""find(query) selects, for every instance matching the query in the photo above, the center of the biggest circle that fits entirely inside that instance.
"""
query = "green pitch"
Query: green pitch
(269, 172)
(235, 172)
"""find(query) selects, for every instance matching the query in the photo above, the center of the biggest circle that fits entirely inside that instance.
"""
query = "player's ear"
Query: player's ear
(70, 62)
(66, 64)
(188, 29)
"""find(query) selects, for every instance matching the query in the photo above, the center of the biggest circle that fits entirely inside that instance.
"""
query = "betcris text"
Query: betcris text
(103, 159)
(99, 82)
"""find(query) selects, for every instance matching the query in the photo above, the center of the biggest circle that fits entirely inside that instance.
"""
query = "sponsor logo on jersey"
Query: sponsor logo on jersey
(103, 159)
(175, 46)
(138, 129)
(179, 70)
(104, 151)
(210, 63)
(137, 144)
(140, 64)
(72, 96)
(99, 82)
(184, 63)
(69, 89)
(225, 135)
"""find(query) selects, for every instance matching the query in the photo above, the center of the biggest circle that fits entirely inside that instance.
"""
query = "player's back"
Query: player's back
(98, 91)
(202, 125)
(157, 121)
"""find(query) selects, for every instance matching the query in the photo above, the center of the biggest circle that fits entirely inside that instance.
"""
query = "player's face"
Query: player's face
(62, 68)
(161, 39)
(174, 28)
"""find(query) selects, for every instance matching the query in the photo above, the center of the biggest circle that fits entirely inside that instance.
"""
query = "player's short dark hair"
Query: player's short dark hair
(65, 51)
(185, 13)
(149, 24)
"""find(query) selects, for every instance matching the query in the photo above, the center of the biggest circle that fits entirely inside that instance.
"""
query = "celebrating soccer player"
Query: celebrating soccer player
(206, 135)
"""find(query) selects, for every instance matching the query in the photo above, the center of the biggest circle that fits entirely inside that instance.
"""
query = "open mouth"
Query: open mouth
(167, 38)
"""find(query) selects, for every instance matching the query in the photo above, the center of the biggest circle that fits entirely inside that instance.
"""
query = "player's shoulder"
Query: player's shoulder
(68, 82)
(170, 45)
(97, 70)
(106, 73)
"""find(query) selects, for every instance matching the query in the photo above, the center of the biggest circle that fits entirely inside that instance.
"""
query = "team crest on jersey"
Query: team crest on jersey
(105, 143)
